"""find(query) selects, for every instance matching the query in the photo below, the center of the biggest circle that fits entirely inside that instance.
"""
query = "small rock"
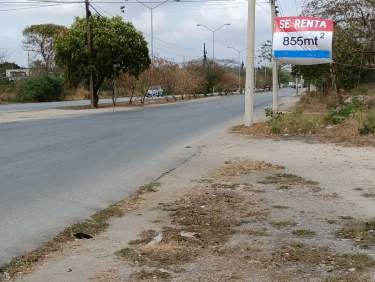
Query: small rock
(70, 270)
(330, 268)
(189, 235)
(156, 240)
(352, 269)
(5, 276)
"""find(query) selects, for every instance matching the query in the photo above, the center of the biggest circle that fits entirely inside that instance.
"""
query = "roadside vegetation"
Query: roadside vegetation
(339, 104)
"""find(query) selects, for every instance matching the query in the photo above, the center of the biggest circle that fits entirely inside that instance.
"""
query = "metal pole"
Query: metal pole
(239, 71)
(275, 75)
(152, 35)
(249, 91)
(213, 48)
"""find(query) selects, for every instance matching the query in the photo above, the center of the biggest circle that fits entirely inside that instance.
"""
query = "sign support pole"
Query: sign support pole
(275, 75)
(250, 58)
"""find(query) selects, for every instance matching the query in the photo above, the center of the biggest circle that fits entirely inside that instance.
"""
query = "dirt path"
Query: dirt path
(241, 210)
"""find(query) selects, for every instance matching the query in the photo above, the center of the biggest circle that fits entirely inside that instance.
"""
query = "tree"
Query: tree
(115, 43)
(266, 53)
(40, 39)
(353, 43)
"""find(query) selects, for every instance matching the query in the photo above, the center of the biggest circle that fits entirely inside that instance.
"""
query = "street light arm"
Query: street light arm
(206, 27)
(162, 3)
(220, 27)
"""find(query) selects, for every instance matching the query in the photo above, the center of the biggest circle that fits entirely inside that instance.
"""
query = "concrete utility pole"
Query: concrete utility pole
(275, 73)
(94, 103)
(250, 79)
(239, 66)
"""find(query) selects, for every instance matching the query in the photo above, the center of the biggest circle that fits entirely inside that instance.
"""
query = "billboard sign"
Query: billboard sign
(303, 40)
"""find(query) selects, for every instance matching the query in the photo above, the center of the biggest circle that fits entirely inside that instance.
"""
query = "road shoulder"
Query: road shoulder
(241, 209)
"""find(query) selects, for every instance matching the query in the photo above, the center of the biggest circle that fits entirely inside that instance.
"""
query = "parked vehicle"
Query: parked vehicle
(155, 91)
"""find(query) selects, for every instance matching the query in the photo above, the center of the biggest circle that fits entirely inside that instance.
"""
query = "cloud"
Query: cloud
(176, 34)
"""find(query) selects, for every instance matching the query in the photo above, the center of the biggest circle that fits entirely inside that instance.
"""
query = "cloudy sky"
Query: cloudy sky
(177, 36)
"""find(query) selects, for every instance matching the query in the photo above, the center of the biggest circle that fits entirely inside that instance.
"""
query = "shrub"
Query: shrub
(367, 122)
(294, 123)
(344, 111)
(45, 88)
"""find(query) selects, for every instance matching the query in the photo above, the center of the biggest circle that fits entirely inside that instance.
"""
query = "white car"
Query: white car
(155, 91)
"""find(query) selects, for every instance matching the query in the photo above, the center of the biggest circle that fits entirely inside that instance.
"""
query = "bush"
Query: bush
(367, 123)
(294, 123)
(344, 111)
(41, 89)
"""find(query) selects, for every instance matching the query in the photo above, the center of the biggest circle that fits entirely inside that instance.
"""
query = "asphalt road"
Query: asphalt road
(57, 171)
(10, 108)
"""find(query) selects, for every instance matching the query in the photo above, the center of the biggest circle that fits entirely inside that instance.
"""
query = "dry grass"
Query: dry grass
(347, 278)
(280, 207)
(241, 167)
(150, 275)
(287, 180)
(283, 224)
(302, 254)
(368, 195)
(96, 224)
(361, 232)
(255, 232)
(202, 220)
(257, 130)
(304, 233)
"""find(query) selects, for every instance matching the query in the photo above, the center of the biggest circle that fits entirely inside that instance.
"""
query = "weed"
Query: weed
(304, 233)
(241, 167)
(368, 195)
(283, 224)
(287, 179)
(367, 122)
(96, 224)
(314, 256)
(361, 232)
(255, 232)
(150, 275)
(344, 111)
(280, 207)
(296, 123)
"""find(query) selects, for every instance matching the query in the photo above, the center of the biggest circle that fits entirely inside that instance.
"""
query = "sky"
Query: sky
(176, 35)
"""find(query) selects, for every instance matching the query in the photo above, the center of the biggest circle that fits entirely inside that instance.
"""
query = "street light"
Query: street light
(152, 8)
(239, 65)
(213, 37)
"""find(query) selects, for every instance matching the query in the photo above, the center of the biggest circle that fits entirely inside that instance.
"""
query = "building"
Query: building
(17, 74)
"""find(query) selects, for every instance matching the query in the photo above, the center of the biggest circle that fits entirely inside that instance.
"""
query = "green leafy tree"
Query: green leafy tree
(39, 39)
(117, 47)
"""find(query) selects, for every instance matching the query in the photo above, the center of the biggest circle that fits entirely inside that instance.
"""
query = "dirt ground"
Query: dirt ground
(242, 209)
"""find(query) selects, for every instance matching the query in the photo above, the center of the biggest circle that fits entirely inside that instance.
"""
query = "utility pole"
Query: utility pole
(94, 102)
(204, 54)
(275, 74)
(250, 79)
